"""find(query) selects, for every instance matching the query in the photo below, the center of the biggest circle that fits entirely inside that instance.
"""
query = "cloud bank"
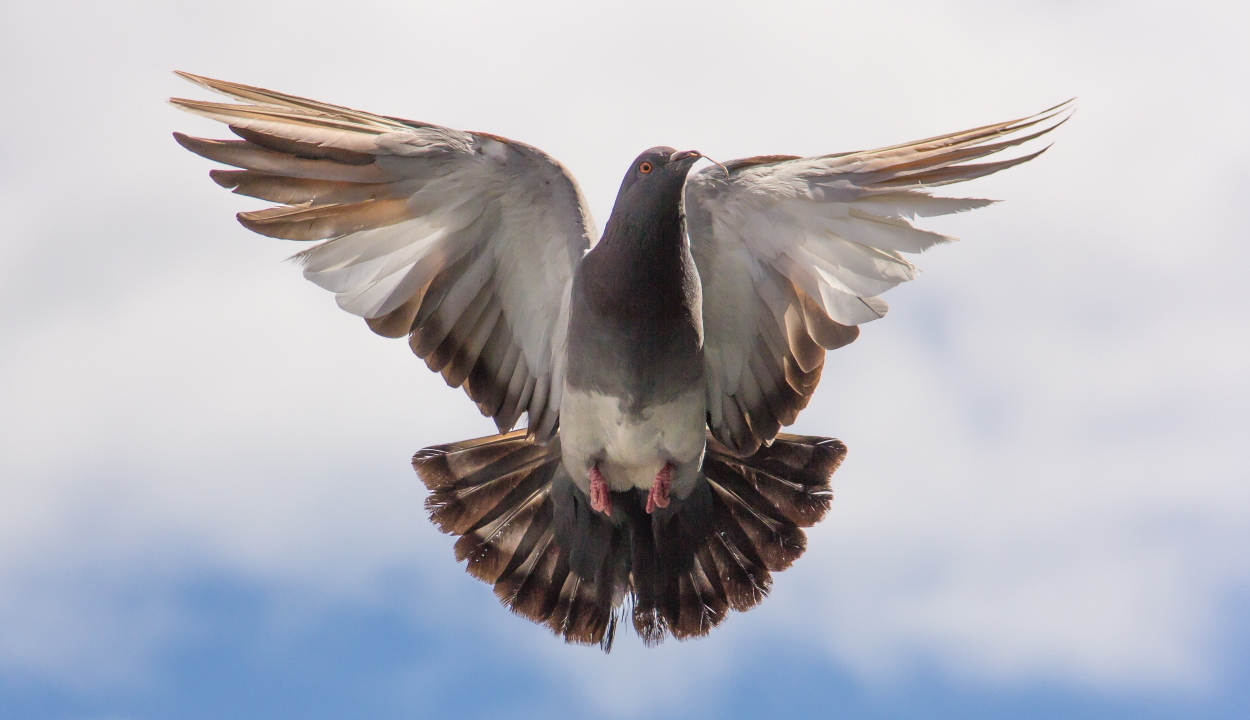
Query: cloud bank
(1044, 481)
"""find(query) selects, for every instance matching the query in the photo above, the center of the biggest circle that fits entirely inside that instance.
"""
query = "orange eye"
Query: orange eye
(644, 167)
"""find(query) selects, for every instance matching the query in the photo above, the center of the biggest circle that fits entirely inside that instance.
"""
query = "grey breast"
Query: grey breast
(635, 331)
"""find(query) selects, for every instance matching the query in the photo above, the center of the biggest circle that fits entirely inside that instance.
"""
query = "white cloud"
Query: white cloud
(1044, 479)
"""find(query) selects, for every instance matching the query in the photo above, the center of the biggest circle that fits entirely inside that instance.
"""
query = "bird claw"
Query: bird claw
(600, 496)
(658, 497)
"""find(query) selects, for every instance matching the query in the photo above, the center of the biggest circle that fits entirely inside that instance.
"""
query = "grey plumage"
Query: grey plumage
(656, 366)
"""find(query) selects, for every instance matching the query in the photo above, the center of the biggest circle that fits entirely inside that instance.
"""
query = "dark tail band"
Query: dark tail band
(526, 529)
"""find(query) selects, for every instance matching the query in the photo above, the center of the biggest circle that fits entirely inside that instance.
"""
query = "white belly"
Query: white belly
(630, 449)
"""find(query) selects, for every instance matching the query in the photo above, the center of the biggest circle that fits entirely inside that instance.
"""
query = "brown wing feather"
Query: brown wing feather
(800, 248)
(340, 173)
(246, 155)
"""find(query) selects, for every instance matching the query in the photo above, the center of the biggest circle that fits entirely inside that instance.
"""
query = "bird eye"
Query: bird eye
(644, 167)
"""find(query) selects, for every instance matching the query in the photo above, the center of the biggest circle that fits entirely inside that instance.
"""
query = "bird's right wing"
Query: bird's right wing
(793, 252)
(465, 242)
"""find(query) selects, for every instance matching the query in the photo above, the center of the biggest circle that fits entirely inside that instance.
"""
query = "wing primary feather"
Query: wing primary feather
(416, 218)
(310, 151)
(243, 154)
(297, 191)
(321, 222)
(956, 173)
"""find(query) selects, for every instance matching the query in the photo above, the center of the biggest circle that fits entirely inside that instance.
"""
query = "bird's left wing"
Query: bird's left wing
(466, 242)
(793, 252)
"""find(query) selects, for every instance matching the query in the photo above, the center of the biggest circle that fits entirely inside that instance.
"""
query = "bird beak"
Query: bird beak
(685, 155)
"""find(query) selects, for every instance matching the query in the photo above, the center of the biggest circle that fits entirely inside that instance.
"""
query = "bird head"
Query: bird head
(660, 168)
(656, 177)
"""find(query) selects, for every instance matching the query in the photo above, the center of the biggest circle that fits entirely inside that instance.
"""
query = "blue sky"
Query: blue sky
(206, 508)
(382, 662)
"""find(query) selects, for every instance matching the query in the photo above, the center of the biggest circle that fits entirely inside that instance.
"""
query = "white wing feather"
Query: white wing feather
(465, 240)
(794, 252)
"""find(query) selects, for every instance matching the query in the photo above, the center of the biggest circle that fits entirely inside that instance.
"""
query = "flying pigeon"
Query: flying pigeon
(655, 365)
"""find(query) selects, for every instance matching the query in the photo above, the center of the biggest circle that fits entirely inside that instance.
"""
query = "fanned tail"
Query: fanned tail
(496, 494)
(716, 550)
(526, 529)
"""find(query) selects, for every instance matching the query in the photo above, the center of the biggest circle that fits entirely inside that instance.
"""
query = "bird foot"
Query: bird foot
(600, 496)
(658, 497)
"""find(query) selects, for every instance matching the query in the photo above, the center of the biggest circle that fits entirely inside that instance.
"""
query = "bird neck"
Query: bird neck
(642, 260)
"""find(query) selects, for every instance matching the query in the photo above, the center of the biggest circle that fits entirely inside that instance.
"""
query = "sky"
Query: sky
(206, 503)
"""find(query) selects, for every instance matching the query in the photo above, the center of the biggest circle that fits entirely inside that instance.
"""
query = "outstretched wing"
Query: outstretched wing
(793, 253)
(463, 241)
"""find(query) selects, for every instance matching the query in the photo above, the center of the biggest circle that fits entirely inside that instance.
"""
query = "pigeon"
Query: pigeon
(655, 365)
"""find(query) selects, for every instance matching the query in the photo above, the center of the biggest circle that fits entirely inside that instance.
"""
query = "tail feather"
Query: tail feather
(528, 530)
(746, 582)
(777, 541)
(493, 544)
(792, 473)
(469, 479)
(744, 566)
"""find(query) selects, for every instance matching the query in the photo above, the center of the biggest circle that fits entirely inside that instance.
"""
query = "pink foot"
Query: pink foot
(658, 497)
(600, 496)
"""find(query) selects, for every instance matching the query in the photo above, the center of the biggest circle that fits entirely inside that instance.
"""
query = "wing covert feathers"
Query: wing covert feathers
(464, 242)
(793, 253)
(524, 528)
